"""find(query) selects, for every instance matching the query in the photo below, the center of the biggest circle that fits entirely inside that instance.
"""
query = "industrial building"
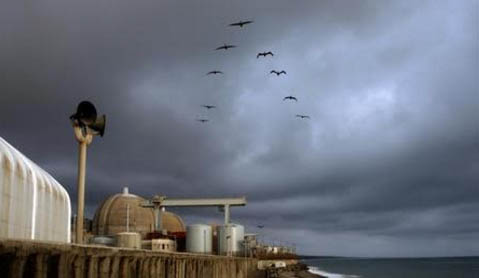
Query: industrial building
(33, 205)
(128, 220)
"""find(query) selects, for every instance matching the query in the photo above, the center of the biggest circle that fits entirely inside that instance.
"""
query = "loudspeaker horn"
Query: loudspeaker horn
(85, 115)
(98, 127)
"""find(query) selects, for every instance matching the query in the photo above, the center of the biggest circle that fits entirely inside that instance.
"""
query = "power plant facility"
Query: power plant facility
(128, 220)
(35, 207)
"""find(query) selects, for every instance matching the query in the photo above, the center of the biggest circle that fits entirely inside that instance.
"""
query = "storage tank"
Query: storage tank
(33, 205)
(103, 240)
(199, 239)
(128, 240)
(230, 239)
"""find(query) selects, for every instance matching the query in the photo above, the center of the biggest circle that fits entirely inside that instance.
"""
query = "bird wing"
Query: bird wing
(294, 98)
(221, 47)
(282, 72)
(248, 22)
(236, 24)
(273, 71)
(257, 56)
(269, 53)
(285, 98)
(229, 46)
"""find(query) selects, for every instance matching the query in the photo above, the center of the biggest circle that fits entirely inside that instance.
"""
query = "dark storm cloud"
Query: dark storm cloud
(387, 165)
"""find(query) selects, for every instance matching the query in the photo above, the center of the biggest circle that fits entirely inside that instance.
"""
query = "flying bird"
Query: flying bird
(290, 97)
(202, 120)
(278, 73)
(214, 72)
(302, 116)
(264, 54)
(225, 46)
(241, 23)
(208, 106)
(260, 226)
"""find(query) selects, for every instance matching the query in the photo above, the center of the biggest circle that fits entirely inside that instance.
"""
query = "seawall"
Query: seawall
(24, 258)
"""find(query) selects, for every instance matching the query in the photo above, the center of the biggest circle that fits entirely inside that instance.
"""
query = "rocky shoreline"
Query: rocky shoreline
(292, 271)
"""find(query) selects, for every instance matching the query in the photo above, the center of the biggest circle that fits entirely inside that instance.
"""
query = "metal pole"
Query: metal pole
(227, 214)
(127, 218)
(158, 219)
(81, 190)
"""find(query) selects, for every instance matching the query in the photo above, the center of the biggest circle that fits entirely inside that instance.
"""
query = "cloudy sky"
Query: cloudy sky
(388, 164)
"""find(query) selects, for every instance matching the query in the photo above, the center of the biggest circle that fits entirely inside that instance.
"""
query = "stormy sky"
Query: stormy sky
(388, 164)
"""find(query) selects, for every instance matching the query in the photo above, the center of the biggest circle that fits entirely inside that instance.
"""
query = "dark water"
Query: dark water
(467, 267)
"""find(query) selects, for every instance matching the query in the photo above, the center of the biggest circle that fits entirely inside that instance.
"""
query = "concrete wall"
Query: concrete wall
(45, 260)
(33, 205)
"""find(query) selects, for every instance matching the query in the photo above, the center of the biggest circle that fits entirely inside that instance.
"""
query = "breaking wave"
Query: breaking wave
(318, 271)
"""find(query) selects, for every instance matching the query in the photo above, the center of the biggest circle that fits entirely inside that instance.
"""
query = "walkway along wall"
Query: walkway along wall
(21, 258)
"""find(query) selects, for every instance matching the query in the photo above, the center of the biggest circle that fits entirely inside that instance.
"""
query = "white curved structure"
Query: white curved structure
(33, 205)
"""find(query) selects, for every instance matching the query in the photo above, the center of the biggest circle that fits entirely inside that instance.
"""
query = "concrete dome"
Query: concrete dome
(111, 216)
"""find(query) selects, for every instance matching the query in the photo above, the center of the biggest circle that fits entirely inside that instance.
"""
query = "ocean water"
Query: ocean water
(467, 267)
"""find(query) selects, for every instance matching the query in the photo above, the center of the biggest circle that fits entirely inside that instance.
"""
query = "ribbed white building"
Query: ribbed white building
(33, 205)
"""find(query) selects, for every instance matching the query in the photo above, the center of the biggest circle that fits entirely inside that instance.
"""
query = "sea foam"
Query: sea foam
(318, 271)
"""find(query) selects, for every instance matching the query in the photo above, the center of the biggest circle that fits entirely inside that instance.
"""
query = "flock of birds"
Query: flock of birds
(225, 47)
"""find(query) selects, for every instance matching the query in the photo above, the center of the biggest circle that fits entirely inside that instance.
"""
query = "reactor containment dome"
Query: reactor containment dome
(33, 205)
(123, 209)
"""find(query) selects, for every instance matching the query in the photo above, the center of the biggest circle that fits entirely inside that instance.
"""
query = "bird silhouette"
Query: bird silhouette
(264, 54)
(278, 73)
(260, 226)
(302, 116)
(290, 97)
(241, 23)
(214, 72)
(225, 46)
(208, 106)
(202, 120)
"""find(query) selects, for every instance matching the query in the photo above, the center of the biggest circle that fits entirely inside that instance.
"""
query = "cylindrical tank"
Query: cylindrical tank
(103, 240)
(128, 240)
(199, 238)
(33, 205)
(230, 239)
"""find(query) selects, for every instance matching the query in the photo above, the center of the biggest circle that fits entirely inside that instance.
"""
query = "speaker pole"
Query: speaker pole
(85, 124)
(83, 142)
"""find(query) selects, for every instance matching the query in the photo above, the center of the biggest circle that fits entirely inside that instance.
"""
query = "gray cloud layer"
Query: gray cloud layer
(388, 165)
